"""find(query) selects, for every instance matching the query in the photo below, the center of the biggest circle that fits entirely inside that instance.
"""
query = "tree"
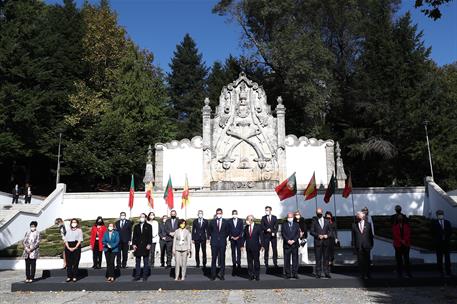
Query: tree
(431, 8)
(186, 87)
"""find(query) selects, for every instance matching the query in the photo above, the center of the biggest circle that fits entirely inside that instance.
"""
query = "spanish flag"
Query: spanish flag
(311, 189)
(149, 195)
(185, 194)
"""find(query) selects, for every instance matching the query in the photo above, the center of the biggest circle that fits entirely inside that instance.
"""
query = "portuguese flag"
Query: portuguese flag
(185, 194)
(311, 189)
(287, 188)
(132, 193)
(168, 194)
(330, 189)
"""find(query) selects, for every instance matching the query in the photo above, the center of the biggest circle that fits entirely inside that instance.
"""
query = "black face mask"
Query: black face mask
(173, 216)
(99, 222)
(319, 215)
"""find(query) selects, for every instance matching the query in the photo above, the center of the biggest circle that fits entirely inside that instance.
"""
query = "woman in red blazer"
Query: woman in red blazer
(401, 235)
(96, 242)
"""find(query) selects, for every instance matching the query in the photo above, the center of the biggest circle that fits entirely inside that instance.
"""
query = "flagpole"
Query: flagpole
(296, 200)
(315, 198)
(334, 206)
(353, 207)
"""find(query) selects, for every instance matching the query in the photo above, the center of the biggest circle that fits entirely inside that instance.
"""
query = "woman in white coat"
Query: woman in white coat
(155, 237)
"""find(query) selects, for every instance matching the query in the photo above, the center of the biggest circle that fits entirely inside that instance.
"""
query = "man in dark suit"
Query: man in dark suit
(290, 234)
(236, 240)
(199, 233)
(218, 231)
(321, 230)
(170, 227)
(252, 241)
(442, 231)
(124, 228)
(141, 243)
(163, 240)
(16, 193)
(362, 242)
(269, 224)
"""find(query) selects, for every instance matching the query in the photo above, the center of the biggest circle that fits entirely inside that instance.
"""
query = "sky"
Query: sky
(159, 25)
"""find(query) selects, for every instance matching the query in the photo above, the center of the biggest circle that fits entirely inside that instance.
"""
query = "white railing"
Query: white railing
(437, 199)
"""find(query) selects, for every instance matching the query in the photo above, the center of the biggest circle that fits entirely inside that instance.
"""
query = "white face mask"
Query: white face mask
(32, 228)
(151, 218)
(110, 228)
(267, 212)
(142, 219)
(290, 219)
(248, 223)
(122, 217)
(74, 225)
(200, 215)
(235, 216)
(440, 217)
(219, 216)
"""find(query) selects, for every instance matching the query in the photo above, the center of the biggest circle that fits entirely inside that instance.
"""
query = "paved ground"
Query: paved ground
(354, 296)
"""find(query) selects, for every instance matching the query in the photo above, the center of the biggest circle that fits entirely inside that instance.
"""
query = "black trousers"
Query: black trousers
(163, 250)
(253, 257)
(202, 245)
(331, 249)
(236, 252)
(442, 250)
(363, 260)
(321, 255)
(152, 254)
(73, 258)
(30, 268)
(123, 253)
(169, 249)
(274, 246)
(109, 256)
(28, 200)
(97, 255)
(218, 254)
(402, 258)
(15, 199)
(291, 253)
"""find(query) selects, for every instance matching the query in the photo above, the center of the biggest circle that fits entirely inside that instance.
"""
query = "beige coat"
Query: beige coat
(182, 240)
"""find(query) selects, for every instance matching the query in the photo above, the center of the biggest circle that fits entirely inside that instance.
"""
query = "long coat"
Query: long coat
(32, 243)
(141, 239)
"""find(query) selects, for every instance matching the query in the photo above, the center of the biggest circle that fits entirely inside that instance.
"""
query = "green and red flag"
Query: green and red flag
(330, 189)
(149, 195)
(311, 190)
(185, 194)
(347, 187)
(132, 193)
(287, 188)
(168, 194)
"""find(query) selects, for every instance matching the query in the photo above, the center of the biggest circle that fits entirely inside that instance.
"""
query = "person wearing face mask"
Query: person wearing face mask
(63, 230)
(31, 252)
(16, 193)
(332, 238)
(441, 233)
(401, 236)
(182, 247)
(73, 240)
(124, 227)
(362, 242)
(320, 230)
(155, 237)
(303, 249)
(290, 231)
(96, 237)
(28, 194)
(252, 241)
(218, 232)
(269, 224)
(141, 243)
(235, 236)
(170, 227)
(110, 242)
(199, 233)
(370, 220)
(162, 240)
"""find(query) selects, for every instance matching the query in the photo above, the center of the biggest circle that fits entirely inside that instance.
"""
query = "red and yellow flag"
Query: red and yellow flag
(311, 189)
(149, 195)
(185, 194)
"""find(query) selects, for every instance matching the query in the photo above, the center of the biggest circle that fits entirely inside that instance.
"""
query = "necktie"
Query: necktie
(361, 226)
(269, 219)
(122, 224)
(200, 223)
(442, 224)
(250, 231)
(219, 224)
(141, 228)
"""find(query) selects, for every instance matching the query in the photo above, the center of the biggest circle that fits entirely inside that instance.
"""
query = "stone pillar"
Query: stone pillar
(340, 174)
(159, 167)
(206, 144)
(148, 173)
(281, 133)
(329, 149)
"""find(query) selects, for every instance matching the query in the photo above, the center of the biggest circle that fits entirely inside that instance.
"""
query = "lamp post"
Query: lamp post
(58, 160)
(428, 148)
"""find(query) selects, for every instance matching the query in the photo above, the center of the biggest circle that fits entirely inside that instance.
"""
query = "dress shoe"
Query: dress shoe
(135, 279)
(257, 278)
(318, 276)
(168, 267)
(251, 278)
(222, 278)
(287, 277)
(327, 276)
(295, 276)
(198, 266)
(213, 278)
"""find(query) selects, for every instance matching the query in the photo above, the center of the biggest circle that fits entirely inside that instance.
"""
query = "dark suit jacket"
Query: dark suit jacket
(126, 232)
(162, 232)
(290, 233)
(253, 241)
(199, 233)
(273, 225)
(170, 228)
(236, 231)
(362, 240)
(317, 230)
(440, 235)
(302, 224)
(218, 238)
(141, 239)
(15, 192)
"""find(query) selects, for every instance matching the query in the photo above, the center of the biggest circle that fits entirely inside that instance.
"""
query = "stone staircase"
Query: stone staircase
(7, 212)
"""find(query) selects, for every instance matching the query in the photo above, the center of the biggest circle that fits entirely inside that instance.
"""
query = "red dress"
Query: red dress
(93, 234)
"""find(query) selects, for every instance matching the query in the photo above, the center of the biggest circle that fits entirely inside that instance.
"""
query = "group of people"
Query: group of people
(175, 240)
(26, 193)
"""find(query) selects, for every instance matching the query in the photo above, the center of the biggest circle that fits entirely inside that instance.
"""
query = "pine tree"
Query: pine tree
(186, 86)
